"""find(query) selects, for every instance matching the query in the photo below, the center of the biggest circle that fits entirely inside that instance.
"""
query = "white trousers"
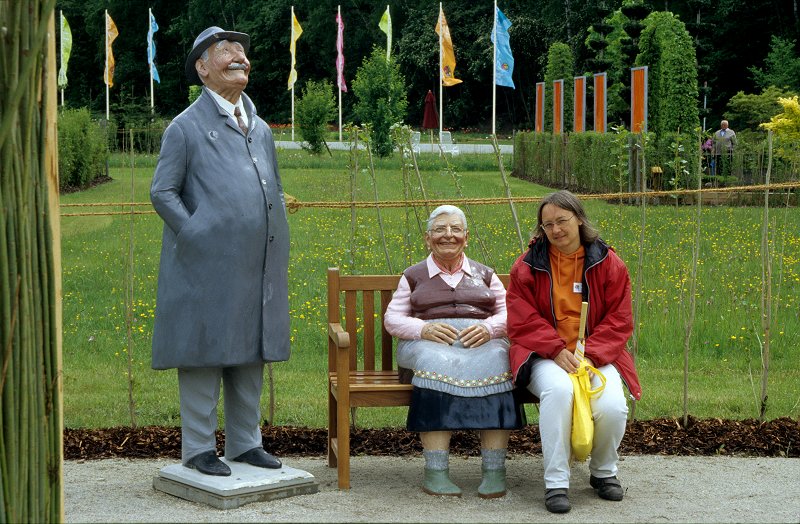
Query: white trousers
(199, 392)
(553, 386)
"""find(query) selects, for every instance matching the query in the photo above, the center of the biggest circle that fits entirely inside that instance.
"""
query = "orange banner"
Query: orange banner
(448, 56)
(111, 35)
(539, 121)
(639, 99)
(579, 103)
(558, 107)
(600, 102)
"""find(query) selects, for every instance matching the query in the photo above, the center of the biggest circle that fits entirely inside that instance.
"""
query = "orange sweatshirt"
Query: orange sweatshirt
(567, 281)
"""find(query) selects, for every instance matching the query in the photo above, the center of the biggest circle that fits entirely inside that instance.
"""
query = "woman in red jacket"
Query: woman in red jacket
(568, 263)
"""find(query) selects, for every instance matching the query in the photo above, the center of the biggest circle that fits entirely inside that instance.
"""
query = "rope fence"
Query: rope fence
(293, 205)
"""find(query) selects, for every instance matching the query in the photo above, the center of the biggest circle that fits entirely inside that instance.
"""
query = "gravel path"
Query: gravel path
(659, 489)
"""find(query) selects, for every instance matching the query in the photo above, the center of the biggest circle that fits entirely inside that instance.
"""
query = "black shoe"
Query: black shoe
(208, 463)
(556, 501)
(608, 488)
(259, 458)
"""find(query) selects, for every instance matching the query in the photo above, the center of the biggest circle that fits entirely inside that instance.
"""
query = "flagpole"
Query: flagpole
(339, 12)
(494, 71)
(61, 20)
(291, 30)
(441, 32)
(150, 58)
(108, 114)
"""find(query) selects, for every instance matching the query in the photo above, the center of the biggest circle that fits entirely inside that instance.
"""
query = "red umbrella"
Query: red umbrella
(430, 120)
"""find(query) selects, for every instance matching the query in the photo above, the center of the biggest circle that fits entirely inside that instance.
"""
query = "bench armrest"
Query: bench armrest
(339, 337)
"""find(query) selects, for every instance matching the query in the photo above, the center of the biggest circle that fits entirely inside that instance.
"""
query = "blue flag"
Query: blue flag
(504, 61)
(151, 48)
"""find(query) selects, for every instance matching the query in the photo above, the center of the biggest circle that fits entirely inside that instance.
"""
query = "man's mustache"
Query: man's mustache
(237, 66)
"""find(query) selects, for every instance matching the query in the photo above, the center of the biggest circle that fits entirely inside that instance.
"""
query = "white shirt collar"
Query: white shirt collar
(228, 107)
(434, 270)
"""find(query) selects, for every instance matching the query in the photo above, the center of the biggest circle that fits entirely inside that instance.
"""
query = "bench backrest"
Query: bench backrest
(358, 303)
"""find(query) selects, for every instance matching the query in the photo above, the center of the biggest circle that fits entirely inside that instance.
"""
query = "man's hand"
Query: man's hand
(474, 336)
(439, 332)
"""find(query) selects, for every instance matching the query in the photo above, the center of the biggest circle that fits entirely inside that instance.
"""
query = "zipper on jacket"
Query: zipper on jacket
(588, 293)
(550, 276)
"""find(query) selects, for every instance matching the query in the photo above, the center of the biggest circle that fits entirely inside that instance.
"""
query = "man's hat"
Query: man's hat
(204, 41)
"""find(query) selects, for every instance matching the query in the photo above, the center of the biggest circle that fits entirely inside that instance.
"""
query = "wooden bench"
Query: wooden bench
(361, 375)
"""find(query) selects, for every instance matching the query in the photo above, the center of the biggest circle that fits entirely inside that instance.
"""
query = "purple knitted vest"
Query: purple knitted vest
(433, 298)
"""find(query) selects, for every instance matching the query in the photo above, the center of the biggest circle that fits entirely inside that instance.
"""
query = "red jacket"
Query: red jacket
(531, 318)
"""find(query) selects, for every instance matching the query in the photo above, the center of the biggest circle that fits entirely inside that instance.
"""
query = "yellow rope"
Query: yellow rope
(293, 205)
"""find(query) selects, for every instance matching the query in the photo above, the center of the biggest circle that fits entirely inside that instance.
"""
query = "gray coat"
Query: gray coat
(223, 280)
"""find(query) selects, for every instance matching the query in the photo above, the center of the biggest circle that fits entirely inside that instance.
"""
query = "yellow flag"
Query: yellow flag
(386, 26)
(448, 63)
(66, 49)
(111, 35)
(296, 32)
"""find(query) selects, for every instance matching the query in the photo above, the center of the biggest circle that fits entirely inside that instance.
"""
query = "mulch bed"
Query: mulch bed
(665, 436)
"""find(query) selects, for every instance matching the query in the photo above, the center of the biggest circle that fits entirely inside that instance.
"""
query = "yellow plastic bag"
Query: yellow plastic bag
(582, 421)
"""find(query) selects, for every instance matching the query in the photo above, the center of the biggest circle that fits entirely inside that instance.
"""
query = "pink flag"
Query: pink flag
(340, 54)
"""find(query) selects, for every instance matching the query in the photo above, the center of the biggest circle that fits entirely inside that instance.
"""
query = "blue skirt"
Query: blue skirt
(433, 410)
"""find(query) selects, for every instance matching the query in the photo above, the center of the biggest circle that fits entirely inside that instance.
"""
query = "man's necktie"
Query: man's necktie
(238, 114)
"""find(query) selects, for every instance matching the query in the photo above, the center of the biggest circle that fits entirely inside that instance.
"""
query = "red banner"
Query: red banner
(579, 103)
(600, 113)
(558, 107)
(639, 99)
(539, 120)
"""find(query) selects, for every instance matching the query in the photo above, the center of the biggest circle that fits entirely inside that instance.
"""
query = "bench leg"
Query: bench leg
(343, 443)
(332, 429)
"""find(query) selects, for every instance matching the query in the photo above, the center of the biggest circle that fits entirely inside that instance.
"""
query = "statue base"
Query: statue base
(246, 484)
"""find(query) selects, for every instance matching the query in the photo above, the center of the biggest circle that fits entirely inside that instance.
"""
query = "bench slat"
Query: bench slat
(362, 282)
(368, 308)
(350, 298)
(387, 353)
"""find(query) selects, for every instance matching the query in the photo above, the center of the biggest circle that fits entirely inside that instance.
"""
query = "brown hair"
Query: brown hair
(566, 200)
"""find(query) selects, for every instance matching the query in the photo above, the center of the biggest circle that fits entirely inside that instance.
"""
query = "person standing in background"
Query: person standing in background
(724, 143)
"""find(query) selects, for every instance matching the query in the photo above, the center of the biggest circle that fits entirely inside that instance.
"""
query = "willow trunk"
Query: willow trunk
(30, 279)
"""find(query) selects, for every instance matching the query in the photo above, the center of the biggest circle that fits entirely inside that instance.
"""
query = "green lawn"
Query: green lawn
(725, 353)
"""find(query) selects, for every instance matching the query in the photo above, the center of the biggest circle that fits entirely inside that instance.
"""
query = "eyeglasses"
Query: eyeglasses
(561, 222)
(441, 230)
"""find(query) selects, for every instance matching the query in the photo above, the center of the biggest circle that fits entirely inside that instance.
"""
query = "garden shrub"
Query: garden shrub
(667, 49)
(315, 109)
(580, 161)
(749, 110)
(677, 154)
(82, 151)
(194, 93)
(560, 66)
(381, 98)
(598, 162)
